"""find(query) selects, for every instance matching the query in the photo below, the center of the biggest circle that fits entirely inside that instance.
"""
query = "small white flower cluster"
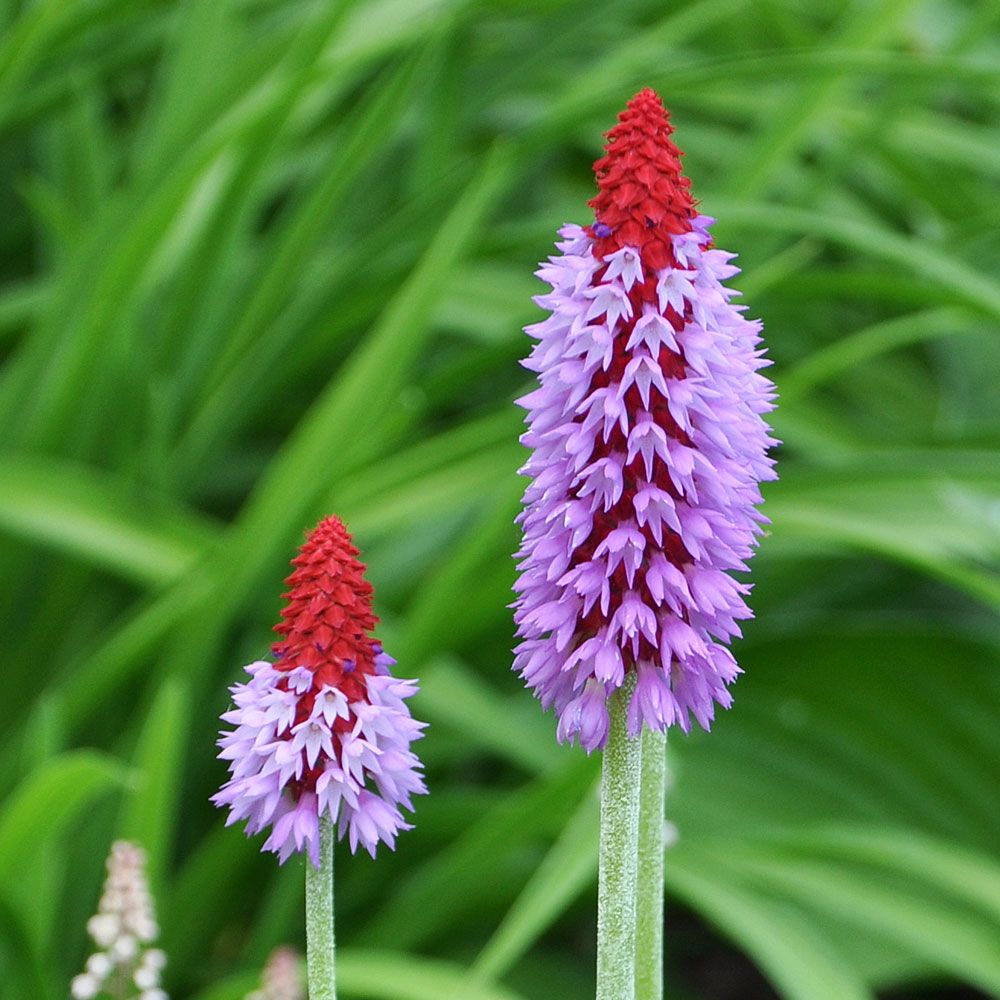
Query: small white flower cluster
(122, 929)
(282, 979)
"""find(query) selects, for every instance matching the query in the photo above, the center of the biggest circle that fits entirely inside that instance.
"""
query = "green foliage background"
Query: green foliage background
(266, 259)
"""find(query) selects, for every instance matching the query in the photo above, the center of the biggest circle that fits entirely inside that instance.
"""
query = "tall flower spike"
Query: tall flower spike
(324, 730)
(648, 446)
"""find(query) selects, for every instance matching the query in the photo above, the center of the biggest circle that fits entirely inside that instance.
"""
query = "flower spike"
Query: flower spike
(123, 929)
(323, 731)
(282, 979)
(648, 447)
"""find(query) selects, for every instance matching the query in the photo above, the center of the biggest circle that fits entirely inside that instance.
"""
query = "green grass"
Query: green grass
(267, 259)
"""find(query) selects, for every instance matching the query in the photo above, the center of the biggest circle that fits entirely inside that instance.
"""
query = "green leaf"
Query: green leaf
(860, 28)
(432, 897)
(764, 803)
(932, 925)
(389, 976)
(71, 509)
(453, 695)
(363, 390)
(567, 869)
(796, 959)
(48, 801)
(935, 522)
(203, 885)
(149, 811)
(21, 968)
(373, 512)
(101, 288)
(967, 875)
(864, 345)
(34, 821)
(98, 674)
(431, 616)
(255, 343)
(935, 264)
(383, 975)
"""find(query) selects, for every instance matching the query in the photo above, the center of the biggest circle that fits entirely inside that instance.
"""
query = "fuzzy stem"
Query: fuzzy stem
(319, 919)
(649, 900)
(616, 884)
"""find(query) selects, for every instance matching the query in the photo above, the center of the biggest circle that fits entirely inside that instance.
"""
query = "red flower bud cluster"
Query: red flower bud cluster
(328, 621)
(644, 197)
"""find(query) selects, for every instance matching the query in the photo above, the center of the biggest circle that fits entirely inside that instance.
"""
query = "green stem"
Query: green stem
(319, 919)
(616, 883)
(649, 900)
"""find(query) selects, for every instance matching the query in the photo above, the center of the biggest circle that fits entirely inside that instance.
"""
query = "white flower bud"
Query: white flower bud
(112, 900)
(84, 987)
(145, 929)
(124, 949)
(99, 965)
(155, 958)
(146, 978)
(104, 928)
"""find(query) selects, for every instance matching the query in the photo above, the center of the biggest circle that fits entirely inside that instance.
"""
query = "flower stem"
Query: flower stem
(616, 884)
(649, 899)
(319, 919)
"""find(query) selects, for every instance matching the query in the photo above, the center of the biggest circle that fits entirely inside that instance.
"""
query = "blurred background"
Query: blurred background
(266, 259)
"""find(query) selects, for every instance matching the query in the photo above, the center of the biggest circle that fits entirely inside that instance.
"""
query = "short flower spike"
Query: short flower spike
(282, 979)
(648, 447)
(323, 730)
(123, 929)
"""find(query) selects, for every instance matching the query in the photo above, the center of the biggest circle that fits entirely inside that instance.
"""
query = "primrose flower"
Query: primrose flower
(324, 730)
(123, 929)
(648, 447)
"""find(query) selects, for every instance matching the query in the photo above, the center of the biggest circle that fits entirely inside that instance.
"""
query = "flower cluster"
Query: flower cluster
(324, 730)
(123, 928)
(282, 979)
(648, 446)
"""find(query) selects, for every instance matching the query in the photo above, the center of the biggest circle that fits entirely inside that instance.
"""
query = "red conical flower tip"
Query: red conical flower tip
(328, 620)
(644, 198)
